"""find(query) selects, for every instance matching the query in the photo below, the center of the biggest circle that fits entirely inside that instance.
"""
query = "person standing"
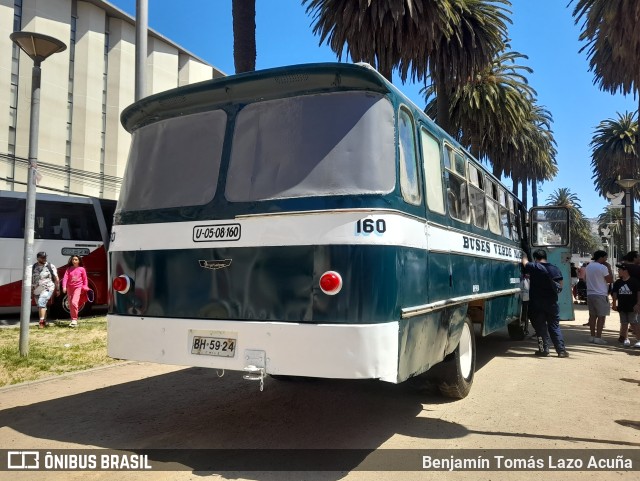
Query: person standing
(632, 260)
(626, 299)
(524, 285)
(598, 277)
(574, 282)
(76, 282)
(545, 283)
(45, 283)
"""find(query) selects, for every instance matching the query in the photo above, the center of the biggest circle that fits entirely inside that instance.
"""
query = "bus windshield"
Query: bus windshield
(339, 143)
(315, 145)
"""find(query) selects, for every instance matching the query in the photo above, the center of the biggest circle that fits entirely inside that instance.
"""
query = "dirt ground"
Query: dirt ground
(588, 402)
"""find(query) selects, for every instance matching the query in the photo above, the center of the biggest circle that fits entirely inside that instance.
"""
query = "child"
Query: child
(626, 296)
(75, 279)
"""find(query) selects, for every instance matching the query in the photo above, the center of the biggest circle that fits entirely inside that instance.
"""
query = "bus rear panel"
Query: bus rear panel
(287, 222)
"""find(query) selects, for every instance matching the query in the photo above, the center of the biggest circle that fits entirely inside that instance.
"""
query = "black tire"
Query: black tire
(516, 330)
(455, 373)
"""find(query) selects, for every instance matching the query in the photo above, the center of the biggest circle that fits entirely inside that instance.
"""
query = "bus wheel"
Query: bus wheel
(516, 330)
(455, 373)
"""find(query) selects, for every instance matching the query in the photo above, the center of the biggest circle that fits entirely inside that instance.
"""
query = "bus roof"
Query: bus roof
(250, 86)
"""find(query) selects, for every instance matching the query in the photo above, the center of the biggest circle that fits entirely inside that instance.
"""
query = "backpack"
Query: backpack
(48, 266)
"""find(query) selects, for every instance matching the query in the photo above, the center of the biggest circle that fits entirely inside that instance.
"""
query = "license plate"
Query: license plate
(213, 346)
(216, 233)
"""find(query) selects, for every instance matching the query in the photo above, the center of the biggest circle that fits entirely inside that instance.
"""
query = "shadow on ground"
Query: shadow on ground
(194, 409)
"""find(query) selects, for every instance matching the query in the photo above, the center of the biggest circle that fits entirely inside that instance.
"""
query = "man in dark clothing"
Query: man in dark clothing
(632, 259)
(545, 283)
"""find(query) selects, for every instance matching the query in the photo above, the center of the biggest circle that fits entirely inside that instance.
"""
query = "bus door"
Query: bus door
(549, 230)
(561, 257)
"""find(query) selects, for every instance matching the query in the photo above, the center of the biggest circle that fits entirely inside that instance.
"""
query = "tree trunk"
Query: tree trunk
(442, 105)
(244, 35)
(525, 193)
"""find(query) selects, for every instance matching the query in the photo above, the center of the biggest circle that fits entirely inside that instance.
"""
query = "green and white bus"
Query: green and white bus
(310, 221)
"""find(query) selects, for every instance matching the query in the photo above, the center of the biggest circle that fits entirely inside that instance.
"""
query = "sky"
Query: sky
(544, 30)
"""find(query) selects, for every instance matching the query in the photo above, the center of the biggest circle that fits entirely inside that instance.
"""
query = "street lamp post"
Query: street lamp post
(627, 185)
(38, 47)
(612, 256)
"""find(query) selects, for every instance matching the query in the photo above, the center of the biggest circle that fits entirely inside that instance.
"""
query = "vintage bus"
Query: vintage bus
(64, 226)
(309, 221)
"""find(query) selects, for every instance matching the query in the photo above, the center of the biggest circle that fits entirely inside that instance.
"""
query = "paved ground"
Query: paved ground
(588, 402)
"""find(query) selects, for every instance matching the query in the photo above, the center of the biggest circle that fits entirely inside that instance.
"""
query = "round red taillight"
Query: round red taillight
(331, 283)
(121, 284)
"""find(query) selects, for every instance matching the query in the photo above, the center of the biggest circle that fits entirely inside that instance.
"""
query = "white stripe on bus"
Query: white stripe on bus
(366, 227)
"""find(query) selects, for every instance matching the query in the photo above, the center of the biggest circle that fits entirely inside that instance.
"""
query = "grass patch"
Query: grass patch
(55, 350)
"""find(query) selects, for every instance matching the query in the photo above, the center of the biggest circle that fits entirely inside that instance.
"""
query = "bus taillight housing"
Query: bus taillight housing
(121, 284)
(331, 283)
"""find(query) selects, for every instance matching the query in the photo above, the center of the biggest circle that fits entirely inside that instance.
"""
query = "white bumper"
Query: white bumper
(366, 351)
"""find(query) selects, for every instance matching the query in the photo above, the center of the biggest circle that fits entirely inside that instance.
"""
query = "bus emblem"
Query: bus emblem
(215, 264)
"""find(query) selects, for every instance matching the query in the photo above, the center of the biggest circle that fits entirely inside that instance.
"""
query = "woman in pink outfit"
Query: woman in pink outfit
(75, 280)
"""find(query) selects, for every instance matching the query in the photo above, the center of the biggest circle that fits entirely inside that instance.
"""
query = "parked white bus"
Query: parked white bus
(64, 226)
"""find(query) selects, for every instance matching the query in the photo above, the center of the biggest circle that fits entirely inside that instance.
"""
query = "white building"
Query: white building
(82, 148)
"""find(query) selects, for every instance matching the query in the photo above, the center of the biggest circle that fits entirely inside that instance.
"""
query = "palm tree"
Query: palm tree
(538, 162)
(490, 105)
(382, 32)
(478, 37)
(496, 117)
(613, 156)
(611, 30)
(450, 39)
(244, 35)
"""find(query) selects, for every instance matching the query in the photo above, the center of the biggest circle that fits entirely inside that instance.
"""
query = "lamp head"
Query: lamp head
(36, 45)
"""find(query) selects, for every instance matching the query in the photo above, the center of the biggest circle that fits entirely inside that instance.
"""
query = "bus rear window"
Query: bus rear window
(174, 162)
(315, 145)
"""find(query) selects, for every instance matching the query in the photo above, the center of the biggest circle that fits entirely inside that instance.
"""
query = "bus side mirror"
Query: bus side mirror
(549, 226)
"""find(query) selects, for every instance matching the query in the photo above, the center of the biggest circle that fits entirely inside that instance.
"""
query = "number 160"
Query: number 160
(367, 226)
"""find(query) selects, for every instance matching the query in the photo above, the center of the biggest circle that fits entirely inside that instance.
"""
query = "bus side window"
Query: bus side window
(457, 198)
(408, 159)
(493, 209)
(432, 171)
(504, 214)
(476, 197)
(67, 221)
(513, 220)
(12, 218)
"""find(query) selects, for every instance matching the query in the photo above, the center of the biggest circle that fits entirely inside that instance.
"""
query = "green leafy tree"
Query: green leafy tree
(496, 117)
(614, 156)
(449, 40)
(611, 30)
